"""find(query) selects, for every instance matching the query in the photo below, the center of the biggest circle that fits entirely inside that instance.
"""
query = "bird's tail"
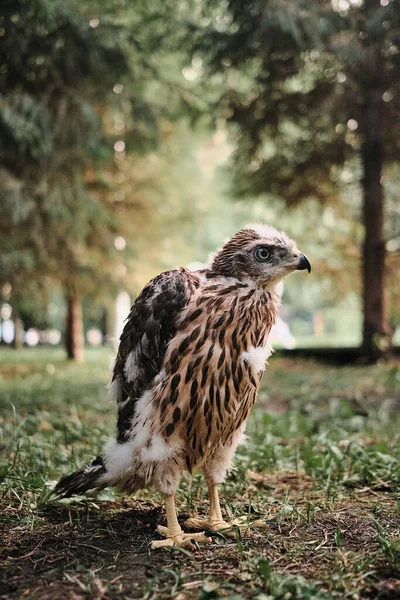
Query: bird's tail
(86, 478)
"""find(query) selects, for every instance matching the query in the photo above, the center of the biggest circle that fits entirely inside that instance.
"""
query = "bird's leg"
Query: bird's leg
(215, 521)
(173, 532)
(215, 518)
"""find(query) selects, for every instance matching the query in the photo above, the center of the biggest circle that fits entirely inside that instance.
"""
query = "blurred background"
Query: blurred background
(136, 136)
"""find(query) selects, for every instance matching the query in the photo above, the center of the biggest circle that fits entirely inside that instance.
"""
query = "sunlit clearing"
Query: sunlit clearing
(120, 243)
(119, 146)
(189, 73)
(352, 124)
(118, 87)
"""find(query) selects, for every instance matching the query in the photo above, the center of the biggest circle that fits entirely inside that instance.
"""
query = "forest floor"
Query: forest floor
(321, 470)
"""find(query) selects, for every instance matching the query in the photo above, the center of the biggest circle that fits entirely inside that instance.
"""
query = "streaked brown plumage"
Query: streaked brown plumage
(188, 369)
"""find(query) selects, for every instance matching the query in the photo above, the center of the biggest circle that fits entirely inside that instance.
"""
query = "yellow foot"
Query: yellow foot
(183, 540)
(229, 529)
(211, 524)
(222, 526)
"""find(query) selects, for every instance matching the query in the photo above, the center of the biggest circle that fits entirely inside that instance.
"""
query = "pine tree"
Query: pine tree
(311, 86)
(50, 132)
(79, 79)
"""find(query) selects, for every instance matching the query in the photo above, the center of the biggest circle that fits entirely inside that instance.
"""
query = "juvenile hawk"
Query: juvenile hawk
(187, 373)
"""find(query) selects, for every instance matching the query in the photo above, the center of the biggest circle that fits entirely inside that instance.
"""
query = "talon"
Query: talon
(207, 524)
(195, 544)
(183, 540)
(213, 533)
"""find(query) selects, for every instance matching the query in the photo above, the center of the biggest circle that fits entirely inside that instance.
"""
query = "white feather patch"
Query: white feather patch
(215, 471)
(118, 459)
(140, 431)
(258, 356)
(131, 369)
(114, 391)
(144, 446)
(158, 449)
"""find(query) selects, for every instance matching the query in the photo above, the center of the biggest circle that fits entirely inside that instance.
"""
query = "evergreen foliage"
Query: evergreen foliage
(312, 86)
(50, 132)
(77, 79)
(90, 146)
(295, 73)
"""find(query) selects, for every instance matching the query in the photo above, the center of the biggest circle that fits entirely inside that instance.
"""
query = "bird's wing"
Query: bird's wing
(150, 326)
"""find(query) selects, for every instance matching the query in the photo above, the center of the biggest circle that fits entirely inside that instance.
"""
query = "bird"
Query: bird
(186, 376)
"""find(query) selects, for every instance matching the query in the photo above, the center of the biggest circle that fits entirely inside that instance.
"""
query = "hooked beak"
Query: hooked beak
(304, 263)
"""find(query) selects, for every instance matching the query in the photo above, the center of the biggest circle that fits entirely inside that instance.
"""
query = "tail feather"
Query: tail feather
(84, 479)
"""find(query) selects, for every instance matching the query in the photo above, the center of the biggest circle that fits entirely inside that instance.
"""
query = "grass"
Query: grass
(321, 470)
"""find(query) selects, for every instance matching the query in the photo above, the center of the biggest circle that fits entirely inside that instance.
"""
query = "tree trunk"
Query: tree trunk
(111, 323)
(74, 340)
(376, 333)
(18, 340)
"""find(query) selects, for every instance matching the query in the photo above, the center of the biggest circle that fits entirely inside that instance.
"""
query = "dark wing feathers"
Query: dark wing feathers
(150, 326)
(84, 479)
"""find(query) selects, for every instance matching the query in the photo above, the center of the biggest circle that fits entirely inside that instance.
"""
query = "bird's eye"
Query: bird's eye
(262, 254)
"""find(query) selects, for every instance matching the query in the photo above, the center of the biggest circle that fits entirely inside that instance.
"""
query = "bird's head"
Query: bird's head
(260, 253)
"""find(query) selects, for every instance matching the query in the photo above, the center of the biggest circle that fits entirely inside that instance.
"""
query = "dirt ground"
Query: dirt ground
(321, 471)
(101, 550)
